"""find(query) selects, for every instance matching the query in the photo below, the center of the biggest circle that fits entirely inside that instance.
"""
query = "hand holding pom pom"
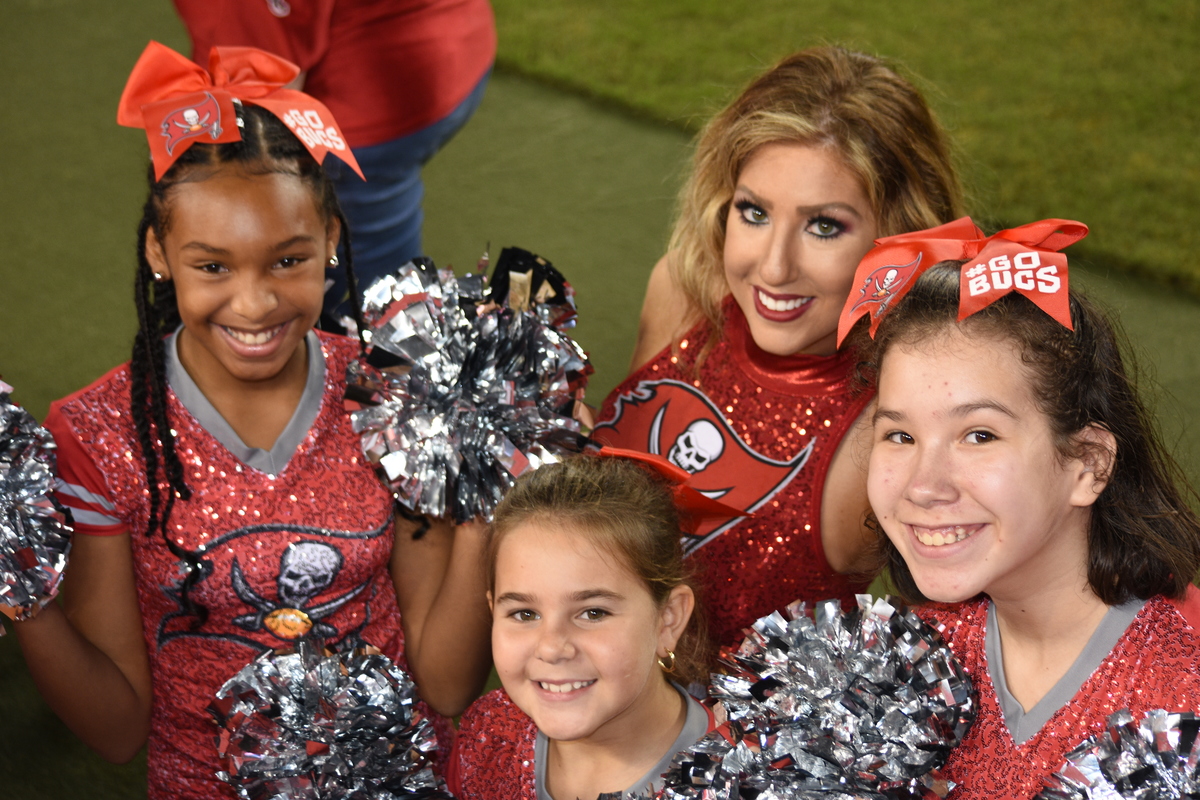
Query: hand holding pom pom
(312, 723)
(35, 531)
(865, 704)
(462, 392)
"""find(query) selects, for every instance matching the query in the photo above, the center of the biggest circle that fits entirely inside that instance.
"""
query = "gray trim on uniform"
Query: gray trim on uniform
(1024, 724)
(271, 461)
(695, 726)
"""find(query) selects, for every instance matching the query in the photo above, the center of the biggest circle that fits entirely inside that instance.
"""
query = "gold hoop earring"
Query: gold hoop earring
(667, 662)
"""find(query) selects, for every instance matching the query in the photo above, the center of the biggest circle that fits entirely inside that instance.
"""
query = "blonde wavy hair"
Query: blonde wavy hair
(852, 103)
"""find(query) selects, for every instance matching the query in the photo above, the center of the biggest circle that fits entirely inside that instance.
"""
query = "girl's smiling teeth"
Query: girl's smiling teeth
(563, 688)
(780, 304)
(937, 537)
(253, 338)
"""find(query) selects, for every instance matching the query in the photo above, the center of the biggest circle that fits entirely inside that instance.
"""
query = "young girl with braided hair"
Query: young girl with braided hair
(222, 501)
(594, 633)
(1018, 482)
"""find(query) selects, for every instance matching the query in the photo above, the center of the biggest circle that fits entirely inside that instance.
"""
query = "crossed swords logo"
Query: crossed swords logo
(305, 570)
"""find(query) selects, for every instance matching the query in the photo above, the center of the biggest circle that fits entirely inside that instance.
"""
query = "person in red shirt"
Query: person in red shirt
(401, 76)
(222, 501)
(1022, 489)
(593, 633)
(735, 376)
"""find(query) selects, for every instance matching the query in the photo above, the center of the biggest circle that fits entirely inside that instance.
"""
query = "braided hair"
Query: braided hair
(266, 147)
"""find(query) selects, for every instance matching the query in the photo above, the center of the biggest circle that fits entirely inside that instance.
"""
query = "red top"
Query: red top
(757, 432)
(316, 538)
(493, 752)
(385, 68)
(1155, 664)
(493, 756)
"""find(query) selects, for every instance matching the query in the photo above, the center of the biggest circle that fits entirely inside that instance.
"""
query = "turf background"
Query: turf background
(1065, 108)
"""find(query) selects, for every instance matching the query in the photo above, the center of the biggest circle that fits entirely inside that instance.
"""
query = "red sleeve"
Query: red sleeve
(1189, 606)
(81, 486)
(301, 35)
(493, 753)
(384, 69)
(453, 772)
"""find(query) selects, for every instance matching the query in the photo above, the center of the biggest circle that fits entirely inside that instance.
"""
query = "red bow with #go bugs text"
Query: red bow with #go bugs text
(179, 103)
(1023, 259)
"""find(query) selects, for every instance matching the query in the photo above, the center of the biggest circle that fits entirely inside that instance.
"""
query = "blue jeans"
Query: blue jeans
(385, 211)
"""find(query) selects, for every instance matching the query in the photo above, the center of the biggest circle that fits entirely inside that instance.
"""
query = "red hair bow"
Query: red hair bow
(179, 103)
(1023, 259)
(694, 506)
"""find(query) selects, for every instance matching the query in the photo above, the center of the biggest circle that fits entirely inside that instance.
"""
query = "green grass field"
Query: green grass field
(1060, 109)
(1066, 108)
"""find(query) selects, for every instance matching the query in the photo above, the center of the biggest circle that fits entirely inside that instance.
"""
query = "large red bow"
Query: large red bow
(1023, 259)
(694, 506)
(179, 103)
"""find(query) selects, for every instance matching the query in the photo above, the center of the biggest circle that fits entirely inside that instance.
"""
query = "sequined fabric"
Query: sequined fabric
(493, 753)
(768, 410)
(309, 547)
(1156, 664)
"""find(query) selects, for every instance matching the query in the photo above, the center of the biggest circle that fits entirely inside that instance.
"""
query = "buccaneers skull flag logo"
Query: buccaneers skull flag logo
(673, 419)
(192, 121)
(884, 284)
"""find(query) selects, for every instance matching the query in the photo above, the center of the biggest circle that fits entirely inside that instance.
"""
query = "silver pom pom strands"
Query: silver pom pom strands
(1156, 759)
(461, 391)
(313, 724)
(35, 530)
(826, 704)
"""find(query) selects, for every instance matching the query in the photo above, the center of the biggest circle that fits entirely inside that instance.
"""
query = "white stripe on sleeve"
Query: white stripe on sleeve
(80, 493)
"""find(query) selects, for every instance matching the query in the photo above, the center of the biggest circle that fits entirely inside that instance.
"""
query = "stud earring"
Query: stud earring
(667, 662)
(158, 277)
(333, 261)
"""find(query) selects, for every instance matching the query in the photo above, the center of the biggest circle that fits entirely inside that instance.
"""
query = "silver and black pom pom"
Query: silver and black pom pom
(462, 391)
(1156, 758)
(831, 704)
(35, 530)
(315, 724)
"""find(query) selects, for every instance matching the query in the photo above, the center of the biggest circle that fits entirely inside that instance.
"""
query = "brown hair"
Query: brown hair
(625, 509)
(1143, 538)
(852, 103)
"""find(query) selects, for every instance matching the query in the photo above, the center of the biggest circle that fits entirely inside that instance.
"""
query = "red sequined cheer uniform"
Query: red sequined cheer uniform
(495, 752)
(758, 432)
(1154, 664)
(310, 546)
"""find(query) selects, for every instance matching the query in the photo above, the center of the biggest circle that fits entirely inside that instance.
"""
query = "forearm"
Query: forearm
(448, 647)
(84, 687)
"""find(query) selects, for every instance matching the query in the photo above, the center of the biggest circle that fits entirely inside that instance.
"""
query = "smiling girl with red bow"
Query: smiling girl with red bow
(1019, 482)
(223, 502)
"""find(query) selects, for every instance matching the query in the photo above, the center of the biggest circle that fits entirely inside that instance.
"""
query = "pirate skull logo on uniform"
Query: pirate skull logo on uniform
(306, 569)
